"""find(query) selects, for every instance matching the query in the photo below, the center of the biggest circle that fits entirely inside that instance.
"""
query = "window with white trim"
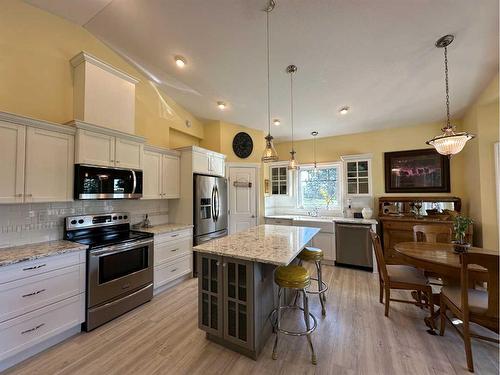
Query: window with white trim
(320, 188)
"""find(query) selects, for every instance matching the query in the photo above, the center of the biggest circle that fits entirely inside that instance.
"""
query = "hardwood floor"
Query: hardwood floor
(162, 337)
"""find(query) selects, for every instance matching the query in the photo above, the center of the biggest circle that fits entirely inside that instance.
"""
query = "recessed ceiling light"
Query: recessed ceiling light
(277, 122)
(180, 61)
(344, 110)
(221, 105)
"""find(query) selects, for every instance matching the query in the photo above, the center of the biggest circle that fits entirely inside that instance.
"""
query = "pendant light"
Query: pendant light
(449, 143)
(270, 153)
(293, 164)
(314, 134)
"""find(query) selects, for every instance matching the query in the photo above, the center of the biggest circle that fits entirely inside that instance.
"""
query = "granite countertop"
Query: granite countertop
(164, 228)
(273, 244)
(24, 253)
(324, 219)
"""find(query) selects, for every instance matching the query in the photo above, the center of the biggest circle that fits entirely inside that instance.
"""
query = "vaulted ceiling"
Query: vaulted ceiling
(377, 57)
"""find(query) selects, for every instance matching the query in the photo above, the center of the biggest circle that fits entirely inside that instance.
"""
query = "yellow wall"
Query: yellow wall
(179, 139)
(219, 137)
(376, 142)
(482, 119)
(36, 76)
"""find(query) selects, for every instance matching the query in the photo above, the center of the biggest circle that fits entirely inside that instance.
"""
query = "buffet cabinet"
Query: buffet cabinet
(233, 304)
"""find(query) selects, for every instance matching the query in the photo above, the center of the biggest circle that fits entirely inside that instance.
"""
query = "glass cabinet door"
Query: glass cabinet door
(210, 294)
(358, 177)
(279, 180)
(238, 289)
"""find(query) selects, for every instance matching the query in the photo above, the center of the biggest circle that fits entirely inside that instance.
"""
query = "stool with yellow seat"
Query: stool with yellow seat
(297, 278)
(313, 254)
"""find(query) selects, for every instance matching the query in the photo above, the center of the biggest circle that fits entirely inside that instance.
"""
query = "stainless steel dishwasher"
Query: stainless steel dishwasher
(353, 246)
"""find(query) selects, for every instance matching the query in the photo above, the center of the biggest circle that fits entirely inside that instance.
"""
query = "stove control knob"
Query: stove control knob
(120, 217)
(73, 222)
(125, 217)
(80, 221)
(114, 218)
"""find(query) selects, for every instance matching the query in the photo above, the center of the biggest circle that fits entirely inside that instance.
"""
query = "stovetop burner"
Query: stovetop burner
(108, 239)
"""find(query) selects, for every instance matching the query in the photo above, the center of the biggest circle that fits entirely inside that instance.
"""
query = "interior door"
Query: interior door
(242, 199)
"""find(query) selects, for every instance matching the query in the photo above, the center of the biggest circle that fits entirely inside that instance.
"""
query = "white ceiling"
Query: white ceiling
(378, 57)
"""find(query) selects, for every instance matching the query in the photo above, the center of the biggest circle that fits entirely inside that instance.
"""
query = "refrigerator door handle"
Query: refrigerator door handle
(214, 218)
(217, 212)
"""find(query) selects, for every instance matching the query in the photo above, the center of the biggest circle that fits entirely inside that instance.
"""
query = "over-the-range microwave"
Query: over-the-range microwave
(94, 182)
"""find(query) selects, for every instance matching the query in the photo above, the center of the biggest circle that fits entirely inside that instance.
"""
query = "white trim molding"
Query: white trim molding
(78, 124)
(161, 150)
(35, 123)
(239, 164)
(87, 57)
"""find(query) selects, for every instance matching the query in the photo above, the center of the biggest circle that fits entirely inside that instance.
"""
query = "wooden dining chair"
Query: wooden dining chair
(431, 233)
(392, 276)
(472, 305)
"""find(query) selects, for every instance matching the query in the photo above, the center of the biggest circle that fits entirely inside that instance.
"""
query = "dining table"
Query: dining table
(442, 260)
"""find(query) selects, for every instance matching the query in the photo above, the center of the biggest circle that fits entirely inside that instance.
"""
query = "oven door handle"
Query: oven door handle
(119, 248)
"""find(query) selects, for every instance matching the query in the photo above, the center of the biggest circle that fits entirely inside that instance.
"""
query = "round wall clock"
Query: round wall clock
(242, 145)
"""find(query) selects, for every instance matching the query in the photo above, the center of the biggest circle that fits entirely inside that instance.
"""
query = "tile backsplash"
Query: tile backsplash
(38, 222)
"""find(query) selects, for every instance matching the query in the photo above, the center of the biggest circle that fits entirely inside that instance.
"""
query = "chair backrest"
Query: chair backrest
(379, 254)
(491, 263)
(431, 233)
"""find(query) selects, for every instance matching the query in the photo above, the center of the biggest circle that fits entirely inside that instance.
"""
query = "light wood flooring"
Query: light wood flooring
(162, 337)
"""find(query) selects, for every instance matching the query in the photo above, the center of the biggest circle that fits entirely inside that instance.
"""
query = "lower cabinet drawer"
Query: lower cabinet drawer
(168, 251)
(27, 330)
(165, 273)
(25, 295)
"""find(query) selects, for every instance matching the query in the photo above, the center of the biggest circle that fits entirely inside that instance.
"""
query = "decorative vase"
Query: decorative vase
(459, 247)
(367, 213)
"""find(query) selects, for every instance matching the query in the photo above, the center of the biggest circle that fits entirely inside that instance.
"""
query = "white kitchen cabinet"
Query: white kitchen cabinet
(173, 256)
(49, 166)
(128, 154)
(326, 242)
(357, 175)
(12, 154)
(152, 175)
(95, 148)
(171, 176)
(37, 160)
(96, 145)
(161, 173)
(207, 162)
(41, 299)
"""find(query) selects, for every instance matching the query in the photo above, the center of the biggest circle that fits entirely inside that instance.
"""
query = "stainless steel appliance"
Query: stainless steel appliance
(210, 209)
(119, 265)
(353, 246)
(93, 182)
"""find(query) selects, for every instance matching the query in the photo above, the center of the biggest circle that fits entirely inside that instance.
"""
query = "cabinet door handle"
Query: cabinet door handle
(174, 249)
(29, 195)
(19, 195)
(175, 269)
(34, 267)
(117, 161)
(33, 329)
(174, 235)
(224, 264)
(112, 161)
(33, 293)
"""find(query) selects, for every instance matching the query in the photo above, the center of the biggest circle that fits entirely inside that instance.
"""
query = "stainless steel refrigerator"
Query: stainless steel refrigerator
(210, 209)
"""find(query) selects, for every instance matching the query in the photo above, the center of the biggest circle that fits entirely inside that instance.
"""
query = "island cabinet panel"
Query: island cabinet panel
(210, 294)
(238, 301)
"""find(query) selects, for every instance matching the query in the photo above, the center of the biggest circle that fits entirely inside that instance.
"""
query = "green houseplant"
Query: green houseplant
(460, 227)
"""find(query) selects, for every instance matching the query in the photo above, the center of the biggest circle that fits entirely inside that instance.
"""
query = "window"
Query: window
(320, 189)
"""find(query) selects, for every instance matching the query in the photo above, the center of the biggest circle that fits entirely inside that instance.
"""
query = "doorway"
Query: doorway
(243, 197)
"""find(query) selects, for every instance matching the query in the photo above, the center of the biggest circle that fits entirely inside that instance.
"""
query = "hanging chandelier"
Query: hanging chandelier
(293, 164)
(269, 154)
(314, 134)
(449, 143)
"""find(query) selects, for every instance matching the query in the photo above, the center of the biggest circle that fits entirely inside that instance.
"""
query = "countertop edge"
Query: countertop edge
(71, 247)
(323, 220)
(164, 228)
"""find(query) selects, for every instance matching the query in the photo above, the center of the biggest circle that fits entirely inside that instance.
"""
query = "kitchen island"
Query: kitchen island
(236, 290)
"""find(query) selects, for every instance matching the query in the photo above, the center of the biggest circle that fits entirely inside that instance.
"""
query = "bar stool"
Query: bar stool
(313, 254)
(298, 278)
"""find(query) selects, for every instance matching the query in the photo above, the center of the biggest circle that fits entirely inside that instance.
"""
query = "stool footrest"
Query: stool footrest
(324, 287)
(292, 333)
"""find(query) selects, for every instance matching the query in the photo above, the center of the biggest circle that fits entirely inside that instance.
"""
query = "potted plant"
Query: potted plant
(460, 226)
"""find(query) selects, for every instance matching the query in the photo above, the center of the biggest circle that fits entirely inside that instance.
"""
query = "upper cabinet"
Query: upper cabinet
(37, 160)
(279, 179)
(161, 173)
(358, 175)
(101, 146)
(205, 161)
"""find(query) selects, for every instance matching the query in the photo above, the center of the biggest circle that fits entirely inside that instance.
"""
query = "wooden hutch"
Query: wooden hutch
(397, 216)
